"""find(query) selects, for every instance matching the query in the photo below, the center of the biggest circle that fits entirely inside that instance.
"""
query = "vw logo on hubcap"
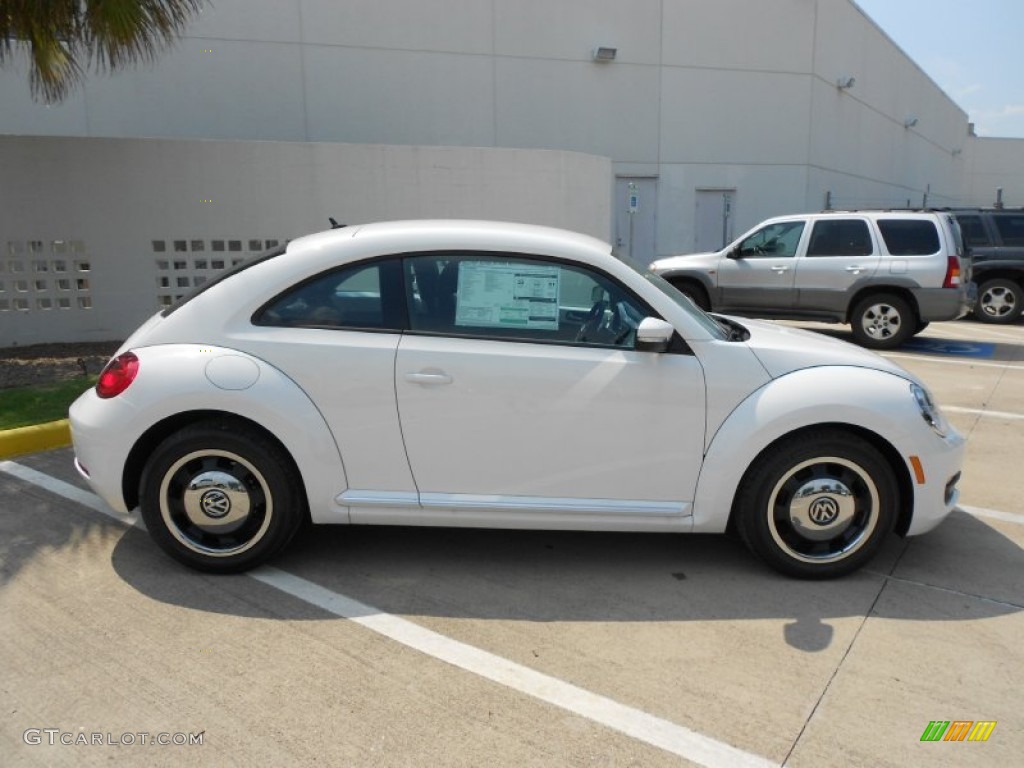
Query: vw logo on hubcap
(824, 510)
(215, 503)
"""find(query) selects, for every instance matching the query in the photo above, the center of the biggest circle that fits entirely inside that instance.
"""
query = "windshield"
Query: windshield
(710, 324)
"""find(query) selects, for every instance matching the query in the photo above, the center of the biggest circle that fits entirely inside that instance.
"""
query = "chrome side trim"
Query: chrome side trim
(486, 503)
(355, 498)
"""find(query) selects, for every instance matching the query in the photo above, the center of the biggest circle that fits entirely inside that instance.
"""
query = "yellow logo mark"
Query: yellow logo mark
(958, 730)
(982, 730)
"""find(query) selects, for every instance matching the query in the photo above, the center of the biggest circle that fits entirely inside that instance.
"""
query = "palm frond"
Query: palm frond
(63, 37)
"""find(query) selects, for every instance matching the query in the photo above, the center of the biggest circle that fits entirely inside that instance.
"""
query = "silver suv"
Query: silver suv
(887, 273)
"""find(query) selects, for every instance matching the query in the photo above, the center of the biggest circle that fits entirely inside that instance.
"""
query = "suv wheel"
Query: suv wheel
(693, 292)
(999, 301)
(883, 321)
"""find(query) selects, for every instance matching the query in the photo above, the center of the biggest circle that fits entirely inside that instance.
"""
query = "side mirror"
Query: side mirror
(734, 253)
(653, 335)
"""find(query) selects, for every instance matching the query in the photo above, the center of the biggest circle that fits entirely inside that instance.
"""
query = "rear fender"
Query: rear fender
(178, 379)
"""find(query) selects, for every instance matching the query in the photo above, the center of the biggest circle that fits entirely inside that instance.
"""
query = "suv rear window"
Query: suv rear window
(909, 237)
(1011, 228)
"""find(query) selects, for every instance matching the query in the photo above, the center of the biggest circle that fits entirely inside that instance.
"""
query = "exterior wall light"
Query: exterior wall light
(847, 81)
(910, 122)
(604, 54)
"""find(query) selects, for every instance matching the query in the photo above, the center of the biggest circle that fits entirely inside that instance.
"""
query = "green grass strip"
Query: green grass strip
(26, 406)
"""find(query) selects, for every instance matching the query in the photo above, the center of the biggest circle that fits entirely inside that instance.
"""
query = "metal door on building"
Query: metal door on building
(714, 219)
(635, 205)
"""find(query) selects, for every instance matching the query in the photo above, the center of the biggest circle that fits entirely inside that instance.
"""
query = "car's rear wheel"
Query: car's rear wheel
(221, 497)
(999, 301)
(883, 321)
(818, 505)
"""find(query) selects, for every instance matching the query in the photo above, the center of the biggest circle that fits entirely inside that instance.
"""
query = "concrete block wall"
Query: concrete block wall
(97, 234)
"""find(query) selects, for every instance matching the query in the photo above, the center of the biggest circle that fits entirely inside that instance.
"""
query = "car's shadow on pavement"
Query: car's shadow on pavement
(596, 577)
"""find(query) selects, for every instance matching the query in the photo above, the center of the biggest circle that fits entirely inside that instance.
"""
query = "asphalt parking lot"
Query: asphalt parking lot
(413, 647)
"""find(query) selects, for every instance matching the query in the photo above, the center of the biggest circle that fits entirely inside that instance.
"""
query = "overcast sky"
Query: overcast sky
(972, 49)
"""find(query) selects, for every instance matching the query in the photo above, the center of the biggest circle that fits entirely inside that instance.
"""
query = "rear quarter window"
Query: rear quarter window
(909, 237)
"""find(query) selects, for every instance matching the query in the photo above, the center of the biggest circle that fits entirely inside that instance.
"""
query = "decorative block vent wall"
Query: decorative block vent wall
(182, 265)
(45, 276)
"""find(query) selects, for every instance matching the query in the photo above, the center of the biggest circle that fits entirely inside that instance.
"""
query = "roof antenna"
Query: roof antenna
(335, 224)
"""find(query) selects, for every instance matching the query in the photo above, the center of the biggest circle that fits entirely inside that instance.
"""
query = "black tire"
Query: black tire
(817, 506)
(1000, 301)
(883, 321)
(694, 292)
(220, 497)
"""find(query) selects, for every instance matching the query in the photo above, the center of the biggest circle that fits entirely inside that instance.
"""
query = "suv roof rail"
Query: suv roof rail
(984, 208)
(886, 209)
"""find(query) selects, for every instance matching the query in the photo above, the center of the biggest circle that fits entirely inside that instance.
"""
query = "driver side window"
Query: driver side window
(776, 240)
(519, 299)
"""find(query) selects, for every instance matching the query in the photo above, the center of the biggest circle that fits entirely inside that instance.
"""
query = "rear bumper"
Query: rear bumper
(935, 304)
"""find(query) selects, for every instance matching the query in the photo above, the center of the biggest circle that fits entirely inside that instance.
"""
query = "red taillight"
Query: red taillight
(952, 273)
(117, 375)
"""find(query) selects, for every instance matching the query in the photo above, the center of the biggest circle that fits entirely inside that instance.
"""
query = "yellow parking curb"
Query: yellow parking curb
(40, 437)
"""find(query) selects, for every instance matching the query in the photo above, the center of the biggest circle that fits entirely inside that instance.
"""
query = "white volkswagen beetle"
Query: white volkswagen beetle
(455, 373)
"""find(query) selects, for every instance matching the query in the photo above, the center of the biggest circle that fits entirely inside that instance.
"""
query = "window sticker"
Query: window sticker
(494, 295)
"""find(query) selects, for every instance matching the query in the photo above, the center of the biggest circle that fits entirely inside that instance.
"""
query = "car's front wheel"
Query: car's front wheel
(221, 497)
(883, 321)
(999, 301)
(818, 505)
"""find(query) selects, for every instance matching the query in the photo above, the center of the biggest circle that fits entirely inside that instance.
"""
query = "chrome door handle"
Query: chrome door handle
(855, 269)
(779, 269)
(429, 377)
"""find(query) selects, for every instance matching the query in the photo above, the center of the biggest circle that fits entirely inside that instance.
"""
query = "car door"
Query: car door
(519, 391)
(336, 335)
(841, 254)
(758, 273)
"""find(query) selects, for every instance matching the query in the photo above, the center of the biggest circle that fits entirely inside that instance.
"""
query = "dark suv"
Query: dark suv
(996, 240)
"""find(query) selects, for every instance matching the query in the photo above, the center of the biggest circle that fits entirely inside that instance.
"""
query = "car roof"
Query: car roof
(431, 234)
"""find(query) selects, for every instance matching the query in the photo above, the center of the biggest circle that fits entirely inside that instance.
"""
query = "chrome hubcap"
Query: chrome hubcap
(998, 301)
(823, 509)
(881, 321)
(215, 502)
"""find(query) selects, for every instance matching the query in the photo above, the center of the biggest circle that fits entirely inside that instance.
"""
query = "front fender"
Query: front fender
(864, 398)
(177, 379)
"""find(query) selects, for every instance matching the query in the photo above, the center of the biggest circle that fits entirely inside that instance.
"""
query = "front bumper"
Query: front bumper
(938, 495)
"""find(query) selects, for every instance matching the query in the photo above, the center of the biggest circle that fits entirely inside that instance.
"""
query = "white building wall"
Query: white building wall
(996, 164)
(97, 234)
(703, 94)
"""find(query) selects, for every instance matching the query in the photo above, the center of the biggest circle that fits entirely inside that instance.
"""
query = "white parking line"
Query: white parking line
(968, 333)
(961, 361)
(983, 412)
(655, 731)
(995, 514)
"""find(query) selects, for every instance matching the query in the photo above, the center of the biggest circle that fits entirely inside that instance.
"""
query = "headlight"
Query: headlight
(929, 410)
